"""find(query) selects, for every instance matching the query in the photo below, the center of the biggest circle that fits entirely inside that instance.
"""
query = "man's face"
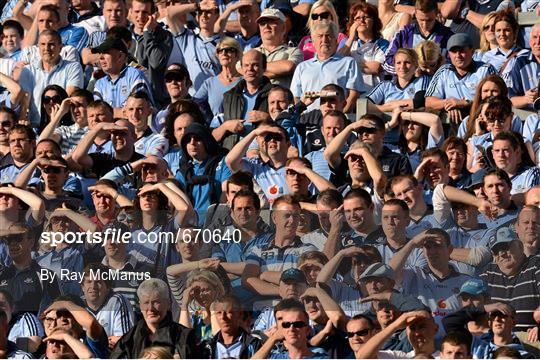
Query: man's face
(323, 212)
(180, 125)
(314, 308)
(505, 156)
(139, 13)
(47, 21)
(11, 40)
(94, 291)
(358, 332)
(104, 204)
(533, 197)
(176, 85)
(227, 317)
(328, 104)
(469, 299)
(122, 139)
(112, 61)
(19, 246)
(8, 203)
(195, 147)
(325, 42)
(58, 349)
(5, 125)
(54, 177)
(421, 332)
(508, 255)
(153, 308)
(277, 103)
(137, 112)
(331, 126)
(186, 247)
(386, 314)
(113, 248)
(97, 115)
(252, 66)
(449, 351)
(311, 269)
(528, 227)
(78, 109)
(357, 212)
(46, 150)
(207, 18)
(271, 29)
(232, 189)
(534, 41)
(464, 214)
(247, 15)
(49, 49)
(437, 172)
(461, 57)
(406, 191)
(426, 20)
(437, 251)
(394, 221)
(286, 218)
(368, 132)
(501, 325)
(296, 182)
(275, 144)
(496, 190)
(20, 146)
(114, 13)
(244, 212)
(377, 285)
(293, 335)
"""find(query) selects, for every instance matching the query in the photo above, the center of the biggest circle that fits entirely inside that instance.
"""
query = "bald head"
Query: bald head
(253, 66)
(532, 197)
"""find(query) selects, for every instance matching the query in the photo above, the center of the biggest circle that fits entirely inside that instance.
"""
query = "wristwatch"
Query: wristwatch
(464, 12)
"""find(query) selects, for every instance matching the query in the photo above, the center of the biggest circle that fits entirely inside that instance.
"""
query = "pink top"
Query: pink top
(306, 45)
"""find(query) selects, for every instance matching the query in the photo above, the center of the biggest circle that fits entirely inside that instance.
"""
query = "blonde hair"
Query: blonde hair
(408, 52)
(228, 41)
(484, 43)
(327, 4)
(428, 51)
(159, 352)
(209, 277)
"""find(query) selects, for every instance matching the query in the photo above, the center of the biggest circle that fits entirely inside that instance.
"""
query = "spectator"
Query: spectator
(527, 229)
(391, 19)
(22, 142)
(13, 33)
(360, 329)
(429, 58)
(51, 98)
(248, 12)
(8, 118)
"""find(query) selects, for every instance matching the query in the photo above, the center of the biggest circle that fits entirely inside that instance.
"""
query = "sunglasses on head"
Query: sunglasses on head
(51, 170)
(294, 324)
(275, 137)
(358, 333)
(323, 16)
(55, 99)
(228, 50)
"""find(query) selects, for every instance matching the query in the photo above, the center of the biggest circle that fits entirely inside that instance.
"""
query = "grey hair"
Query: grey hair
(326, 25)
(154, 285)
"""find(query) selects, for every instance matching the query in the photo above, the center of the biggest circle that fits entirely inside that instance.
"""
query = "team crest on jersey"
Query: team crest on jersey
(133, 283)
(124, 90)
(28, 281)
(274, 190)
(3, 283)
(317, 141)
(386, 167)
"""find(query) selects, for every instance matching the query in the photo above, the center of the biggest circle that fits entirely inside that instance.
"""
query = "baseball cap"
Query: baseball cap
(460, 40)
(477, 179)
(293, 275)
(14, 229)
(474, 287)
(110, 43)
(271, 14)
(503, 235)
(377, 270)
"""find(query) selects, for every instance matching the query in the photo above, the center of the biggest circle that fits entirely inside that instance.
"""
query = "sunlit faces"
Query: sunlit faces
(406, 190)
(294, 325)
(508, 256)
(324, 41)
(534, 40)
(98, 114)
(436, 172)
(437, 251)
(456, 158)
(95, 290)
(528, 227)
(50, 99)
(358, 332)
(137, 112)
(227, 316)
(489, 31)
(369, 133)
(78, 109)
(501, 324)
(329, 103)
(331, 126)
(114, 13)
(450, 351)
(421, 332)
(405, 68)
(377, 285)
(314, 308)
(252, 66)
(54, 177)
(204, 292)
(286, 218)
(270, 28)
(277, 103)
(243, 211)
(6, 123)
(11, 40)
(153, 308)
(497, 190)
(504, 34)
(474, 300)
(8, 203)
(46, 149)
(207, 18)
(357, 212)
(49, 49)
(123, 139)
(505, 156)
(186, 244)
(412, 131)
(176, 84)
(149, 201)
(112, 61)
(275, 143)
(20, 146)
(464, 215)
(139, 13)
(297, 183)
(461, 57)
(532, 197)
(180, 125)
(394, 221)
(47, 20)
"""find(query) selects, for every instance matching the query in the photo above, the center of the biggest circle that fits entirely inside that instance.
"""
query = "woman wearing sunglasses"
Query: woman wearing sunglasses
(365, 43)
(488, 41)
(52, 97)
(322, 10)
(228, 52)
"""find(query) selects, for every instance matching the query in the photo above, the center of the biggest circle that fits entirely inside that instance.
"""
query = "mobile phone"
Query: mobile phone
(484, 154)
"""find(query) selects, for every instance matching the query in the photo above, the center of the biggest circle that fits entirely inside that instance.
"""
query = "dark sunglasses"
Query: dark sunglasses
(355, 158)
(55, 99)
(12, 238)
(358, 333)
(367, 130)
(502, 247)
(275, 137)
(494, 120)
(119, 133)
(5, 124)
(206, 12)
(174, 77)
(228, 50)
(264, 22)
(323, 16)
(125, 218)
(294, 324)
(51, 170)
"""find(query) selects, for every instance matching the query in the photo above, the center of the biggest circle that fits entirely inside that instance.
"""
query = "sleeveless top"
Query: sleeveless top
(390, 30)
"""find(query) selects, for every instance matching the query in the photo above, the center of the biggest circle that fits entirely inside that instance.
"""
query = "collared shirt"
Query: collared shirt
(524, 75)
(34, 79)
(447, 83)
(67, 258)
(369, 51)
(115, 315)
(282, 52)
(319, 163)
(173, 158)
(152, 144)
(313, 74)
(199, 56)
(525, 178)
(115, 92)
(415, 259)
(391, 90)
(74, 36)
(427, 221)
(231, 351)
(498, 58)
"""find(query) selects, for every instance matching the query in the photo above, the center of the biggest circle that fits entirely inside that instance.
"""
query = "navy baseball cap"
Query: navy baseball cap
(293, 275)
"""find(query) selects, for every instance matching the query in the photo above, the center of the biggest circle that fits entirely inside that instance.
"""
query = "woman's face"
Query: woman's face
(149, 201)
(504, 35)
(227, 55)
(489, 31)
(321, 14)
(456, 158)
(404, 66)
(205, 293)
(51, 97)
(412, 131)
(489, 89)
(365, 22)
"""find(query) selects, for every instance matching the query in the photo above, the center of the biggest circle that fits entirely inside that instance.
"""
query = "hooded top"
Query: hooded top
(211, 145)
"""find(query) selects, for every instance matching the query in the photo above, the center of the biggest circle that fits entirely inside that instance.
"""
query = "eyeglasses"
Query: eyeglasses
(5, 124)
(366, 130)
(363, 18)
(323, 16)
(267, 21)
(228, 50)
(358, 333)
(55, 99)
(294, 324)
(275, 137)
(355, 158)
(12, 238)
(489, 27)
(493, 121)
(51, 170)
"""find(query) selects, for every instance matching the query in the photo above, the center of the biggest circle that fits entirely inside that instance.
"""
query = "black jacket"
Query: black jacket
(177, 338)
(250, 345)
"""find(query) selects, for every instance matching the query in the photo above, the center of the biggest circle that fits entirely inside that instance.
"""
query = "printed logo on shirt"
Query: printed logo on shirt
(3, 283)
(28, 281)
(124, 90)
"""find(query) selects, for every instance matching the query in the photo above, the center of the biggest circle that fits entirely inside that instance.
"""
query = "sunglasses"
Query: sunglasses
(125, 218)
(264, 22)
(174, 77)
(51, 170)
(12, 238)
(228, 50)
(358, 333)
(489, 27)
(292, 173)
(367, 130)
(206, 12)
(275, 137)
(323, 16)
(55, 99)
(355, 158)
(118, 133)
(309, 299)
(5, 124)
(294, 324)
(493, 121)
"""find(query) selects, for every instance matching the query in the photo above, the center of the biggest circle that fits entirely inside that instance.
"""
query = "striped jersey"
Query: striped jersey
(115, 315)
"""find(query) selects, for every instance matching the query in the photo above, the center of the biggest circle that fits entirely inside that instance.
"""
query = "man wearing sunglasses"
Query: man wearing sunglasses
(510, 262)
(54, 172)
